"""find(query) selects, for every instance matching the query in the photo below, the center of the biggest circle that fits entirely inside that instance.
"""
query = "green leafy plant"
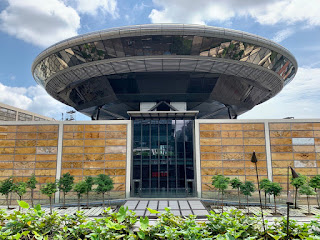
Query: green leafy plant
(49, 189)
(308, 191)
(89, 181)
(264, 183)
(274, 189)
(20, 188)
(35, 224)
(236, 184)
(104, 185)
(31, 184)
(233, 225)
(6, 188)
(297, 183)
(247, 189)
(315, 183)
(221, 183)
(65, 185)
(80, 188)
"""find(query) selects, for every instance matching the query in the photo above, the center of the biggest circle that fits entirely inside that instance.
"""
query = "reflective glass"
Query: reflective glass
(165, 162)
(163, 45)
(109, 48)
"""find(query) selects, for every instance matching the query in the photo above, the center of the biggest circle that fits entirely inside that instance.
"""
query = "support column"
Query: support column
(268, 150)
(59, 157)
(129, 158)
(197, 155)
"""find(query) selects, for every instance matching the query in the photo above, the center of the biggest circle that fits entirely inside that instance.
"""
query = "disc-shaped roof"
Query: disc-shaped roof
(207, 67)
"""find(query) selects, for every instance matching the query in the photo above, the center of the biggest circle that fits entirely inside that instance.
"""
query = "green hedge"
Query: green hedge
(35, 224)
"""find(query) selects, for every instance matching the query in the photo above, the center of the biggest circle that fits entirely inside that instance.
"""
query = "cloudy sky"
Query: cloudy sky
(27, 27)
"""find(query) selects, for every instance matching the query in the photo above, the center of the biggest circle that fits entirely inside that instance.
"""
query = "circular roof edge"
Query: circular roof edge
(155, 29)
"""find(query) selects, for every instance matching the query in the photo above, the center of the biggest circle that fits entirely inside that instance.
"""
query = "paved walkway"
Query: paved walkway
(91, 212)
(302, 212)
(185, 208)
(178, 207)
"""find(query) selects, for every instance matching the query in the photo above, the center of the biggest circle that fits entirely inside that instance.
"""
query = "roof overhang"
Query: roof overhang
(163, 114)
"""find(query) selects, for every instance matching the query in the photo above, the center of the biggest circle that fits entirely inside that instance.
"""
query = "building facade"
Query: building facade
(162, 95)
(9, 113)
(159, 158)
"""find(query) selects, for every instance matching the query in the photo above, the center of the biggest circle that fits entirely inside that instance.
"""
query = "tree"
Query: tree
(307, 190)
(297, 183)
(65, 185)
(221, 183)
(315, 183)
(31, 184)
(49, 189)
(274, 189)
(20, 188)
(264, 183)
(104, 185)
(89, 181)
(80, 188)
(236, 184)
(6, 188)
(247, 189)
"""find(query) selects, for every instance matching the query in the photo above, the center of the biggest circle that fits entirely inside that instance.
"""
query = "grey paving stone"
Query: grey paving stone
(257, 211)
(97, 211)
(196, 205)
(174, 205)
(313, 209)
(86, 211)
(176, 212)
(153, 205)
(162, 205)
(186, 212)
(150, 214)
(184, 205)
(139, 213)
(200, 212)
(292, 212)
(216, 210)
(227, 208)
(131, 204)
(142, 205)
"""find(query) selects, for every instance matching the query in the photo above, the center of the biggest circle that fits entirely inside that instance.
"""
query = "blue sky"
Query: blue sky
(27, 27)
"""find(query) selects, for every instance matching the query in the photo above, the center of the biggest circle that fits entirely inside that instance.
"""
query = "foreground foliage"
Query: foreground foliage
(35, 224)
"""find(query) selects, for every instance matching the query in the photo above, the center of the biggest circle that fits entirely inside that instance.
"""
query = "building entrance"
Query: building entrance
(163, 163)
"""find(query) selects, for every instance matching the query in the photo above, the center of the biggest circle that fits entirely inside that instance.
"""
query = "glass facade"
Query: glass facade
(163, 163)
(154, 45)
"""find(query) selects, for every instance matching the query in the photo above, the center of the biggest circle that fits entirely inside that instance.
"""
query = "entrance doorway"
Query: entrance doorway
(163, 164)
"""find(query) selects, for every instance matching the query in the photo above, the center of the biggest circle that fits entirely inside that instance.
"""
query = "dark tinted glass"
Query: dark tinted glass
(163, 158)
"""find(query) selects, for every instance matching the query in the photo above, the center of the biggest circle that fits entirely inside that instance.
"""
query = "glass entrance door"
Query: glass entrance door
(136, 189)
(163, 158)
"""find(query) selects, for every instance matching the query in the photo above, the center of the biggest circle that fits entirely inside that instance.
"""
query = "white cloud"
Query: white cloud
(34, 99)
(39, 22)
(298, 99)
(282, 35)
(265, 12)
(93, 7)
(139, 6)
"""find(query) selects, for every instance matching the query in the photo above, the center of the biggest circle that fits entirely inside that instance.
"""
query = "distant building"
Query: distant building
(9, 113)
